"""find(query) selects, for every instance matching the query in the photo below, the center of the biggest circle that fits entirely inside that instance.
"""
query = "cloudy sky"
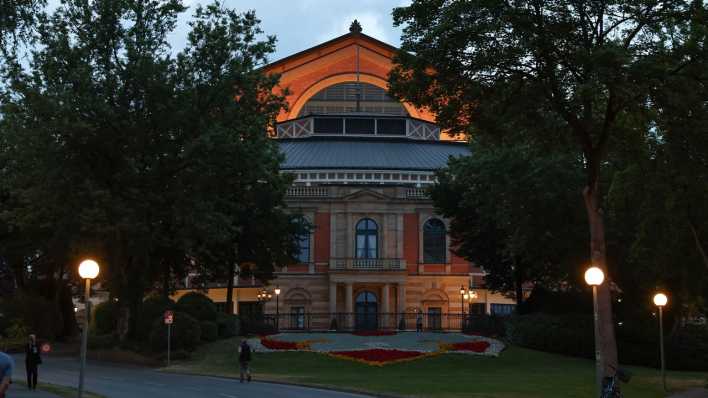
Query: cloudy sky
(300, 24)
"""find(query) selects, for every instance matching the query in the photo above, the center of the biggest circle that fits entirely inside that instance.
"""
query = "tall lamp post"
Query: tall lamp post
(594, 277)
(660, 301)
(463, 297)
(88, 269)
(277, 308)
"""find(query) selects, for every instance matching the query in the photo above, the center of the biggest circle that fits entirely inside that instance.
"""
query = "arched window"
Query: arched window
(302, 240)
(434, 241)
(352, 97)
(367, 234)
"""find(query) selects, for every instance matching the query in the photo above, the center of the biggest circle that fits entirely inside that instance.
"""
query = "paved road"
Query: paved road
(119, 381)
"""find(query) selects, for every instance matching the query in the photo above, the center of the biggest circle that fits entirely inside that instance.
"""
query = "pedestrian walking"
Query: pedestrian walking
(7, 365)
(419, 322)
(244, 358)
(32, 361)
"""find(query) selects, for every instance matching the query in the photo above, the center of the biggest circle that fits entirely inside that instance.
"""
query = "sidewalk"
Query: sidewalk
(20, 391)
(693, 393)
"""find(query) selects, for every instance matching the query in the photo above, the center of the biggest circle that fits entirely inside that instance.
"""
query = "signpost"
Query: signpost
(46, 348)
(169, 318)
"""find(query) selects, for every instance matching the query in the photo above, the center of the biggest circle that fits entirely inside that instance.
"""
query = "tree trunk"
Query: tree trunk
(698, 243)
(608, 345)
(518, 286)
(230, 289)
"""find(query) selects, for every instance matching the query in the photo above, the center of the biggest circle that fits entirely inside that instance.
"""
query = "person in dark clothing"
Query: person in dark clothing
(244, 358)
(32, 361)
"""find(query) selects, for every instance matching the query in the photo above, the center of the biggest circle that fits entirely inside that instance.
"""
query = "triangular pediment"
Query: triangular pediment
(364, 195)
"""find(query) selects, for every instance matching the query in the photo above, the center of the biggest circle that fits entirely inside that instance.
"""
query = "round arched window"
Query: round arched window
(367, 234)
(352, 97)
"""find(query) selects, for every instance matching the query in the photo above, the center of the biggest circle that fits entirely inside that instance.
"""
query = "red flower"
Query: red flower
(378, 356)
(278, 345)
(475, 346)
(374, 333)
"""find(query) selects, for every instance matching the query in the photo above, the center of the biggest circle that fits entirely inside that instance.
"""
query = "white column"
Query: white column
(332, 297)
(349, 304)
(385, 303)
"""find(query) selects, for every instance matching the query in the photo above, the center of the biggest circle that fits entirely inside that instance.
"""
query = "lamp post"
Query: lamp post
(660, 301)
(88, 269)
(594, 277)
(277, 307)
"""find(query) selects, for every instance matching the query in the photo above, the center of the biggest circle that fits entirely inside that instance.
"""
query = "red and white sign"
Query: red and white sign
(169, 317)
(46, 348)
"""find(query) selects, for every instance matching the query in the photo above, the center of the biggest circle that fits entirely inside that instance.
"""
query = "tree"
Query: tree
(515, 212)
(588, 68)
(112, 148)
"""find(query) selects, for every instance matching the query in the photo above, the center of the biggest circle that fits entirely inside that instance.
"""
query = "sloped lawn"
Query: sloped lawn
(516, 373)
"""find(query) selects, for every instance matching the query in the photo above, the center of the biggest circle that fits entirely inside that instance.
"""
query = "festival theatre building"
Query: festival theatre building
(377, 252)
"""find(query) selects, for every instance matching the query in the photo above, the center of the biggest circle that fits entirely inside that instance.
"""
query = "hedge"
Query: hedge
(104, 317)
(153, 307)
(186, 333)
(210, 331)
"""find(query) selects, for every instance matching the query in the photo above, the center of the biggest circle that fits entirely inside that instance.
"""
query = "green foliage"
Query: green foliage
(515, 211)
(198, 306)
(229, 325)
(563, 334)
(17, 330)
(209, 330)
(153, 307)
(185, 334)
(33, 314)
(105, 317)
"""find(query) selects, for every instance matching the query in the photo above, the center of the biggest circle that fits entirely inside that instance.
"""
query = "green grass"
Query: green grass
(516, 373)
(62, 391)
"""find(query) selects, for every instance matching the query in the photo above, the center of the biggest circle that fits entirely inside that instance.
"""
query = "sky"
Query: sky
(301, 24)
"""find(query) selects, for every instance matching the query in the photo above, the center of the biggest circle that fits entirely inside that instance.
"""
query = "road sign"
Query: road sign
(169, 317)
(46, 348)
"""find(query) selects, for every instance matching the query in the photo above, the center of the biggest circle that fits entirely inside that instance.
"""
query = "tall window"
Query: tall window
(367, 234)
(303, 241)
(434, 241)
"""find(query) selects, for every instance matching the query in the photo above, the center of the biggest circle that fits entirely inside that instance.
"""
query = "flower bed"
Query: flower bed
(474, 346)
(374, 333)
(378, 356)
(273, 344)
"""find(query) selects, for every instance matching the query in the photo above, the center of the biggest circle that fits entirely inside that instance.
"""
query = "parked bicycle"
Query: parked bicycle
(611, 384)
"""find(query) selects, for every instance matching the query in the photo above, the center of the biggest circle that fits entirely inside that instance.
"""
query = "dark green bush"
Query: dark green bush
(186, 333)
(563, 334)
(40, 316)
(228, 325)
(687, 349)
(104, 317)
(152, 308)
(198, 306)
(210, 331)
(102, 341)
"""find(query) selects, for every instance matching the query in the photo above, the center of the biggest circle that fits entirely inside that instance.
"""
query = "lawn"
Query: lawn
(61, 391)
(516, 373)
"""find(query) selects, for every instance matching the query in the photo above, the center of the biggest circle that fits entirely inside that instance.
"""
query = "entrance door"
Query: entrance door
(366, 311)
(434, 318)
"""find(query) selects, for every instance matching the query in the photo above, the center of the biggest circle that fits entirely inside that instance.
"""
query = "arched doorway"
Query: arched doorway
(366, 311)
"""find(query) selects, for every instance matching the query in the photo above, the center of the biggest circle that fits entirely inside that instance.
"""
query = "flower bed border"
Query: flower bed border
(343, 355)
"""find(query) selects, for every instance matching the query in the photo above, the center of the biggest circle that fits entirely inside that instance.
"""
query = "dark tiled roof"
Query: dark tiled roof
(367, 153)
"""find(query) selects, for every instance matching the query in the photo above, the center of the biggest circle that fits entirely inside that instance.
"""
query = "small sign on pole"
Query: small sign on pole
(46, 348)
(169, 318)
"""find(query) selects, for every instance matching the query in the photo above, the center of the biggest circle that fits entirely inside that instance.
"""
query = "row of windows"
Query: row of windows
(367, 239)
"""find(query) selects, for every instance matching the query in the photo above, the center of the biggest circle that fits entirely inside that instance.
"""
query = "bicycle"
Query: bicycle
(611, 385)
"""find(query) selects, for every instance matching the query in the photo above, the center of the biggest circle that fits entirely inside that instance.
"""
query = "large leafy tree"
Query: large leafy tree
(587, 68)
(113, 148)
(517, 213)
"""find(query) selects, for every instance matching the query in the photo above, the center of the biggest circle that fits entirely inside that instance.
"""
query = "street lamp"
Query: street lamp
(277, 307)
(594, 277)
(88, 269)
(660, 301)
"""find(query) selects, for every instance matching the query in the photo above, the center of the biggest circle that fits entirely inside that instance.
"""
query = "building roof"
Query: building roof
(359, 153)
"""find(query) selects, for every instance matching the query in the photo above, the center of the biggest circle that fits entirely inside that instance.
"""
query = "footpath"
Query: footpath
(21, 391)
(693, 393)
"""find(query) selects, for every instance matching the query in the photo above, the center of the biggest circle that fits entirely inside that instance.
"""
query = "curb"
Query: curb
(289, 383)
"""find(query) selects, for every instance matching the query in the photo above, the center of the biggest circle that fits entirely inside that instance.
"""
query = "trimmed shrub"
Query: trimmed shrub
(568, 334)
(228, 325)
(40, 316)
(687, 349)
(485, 325)
(186, 333)
(152, 308)
(210, 331)
(198, 306)
(104, 317)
